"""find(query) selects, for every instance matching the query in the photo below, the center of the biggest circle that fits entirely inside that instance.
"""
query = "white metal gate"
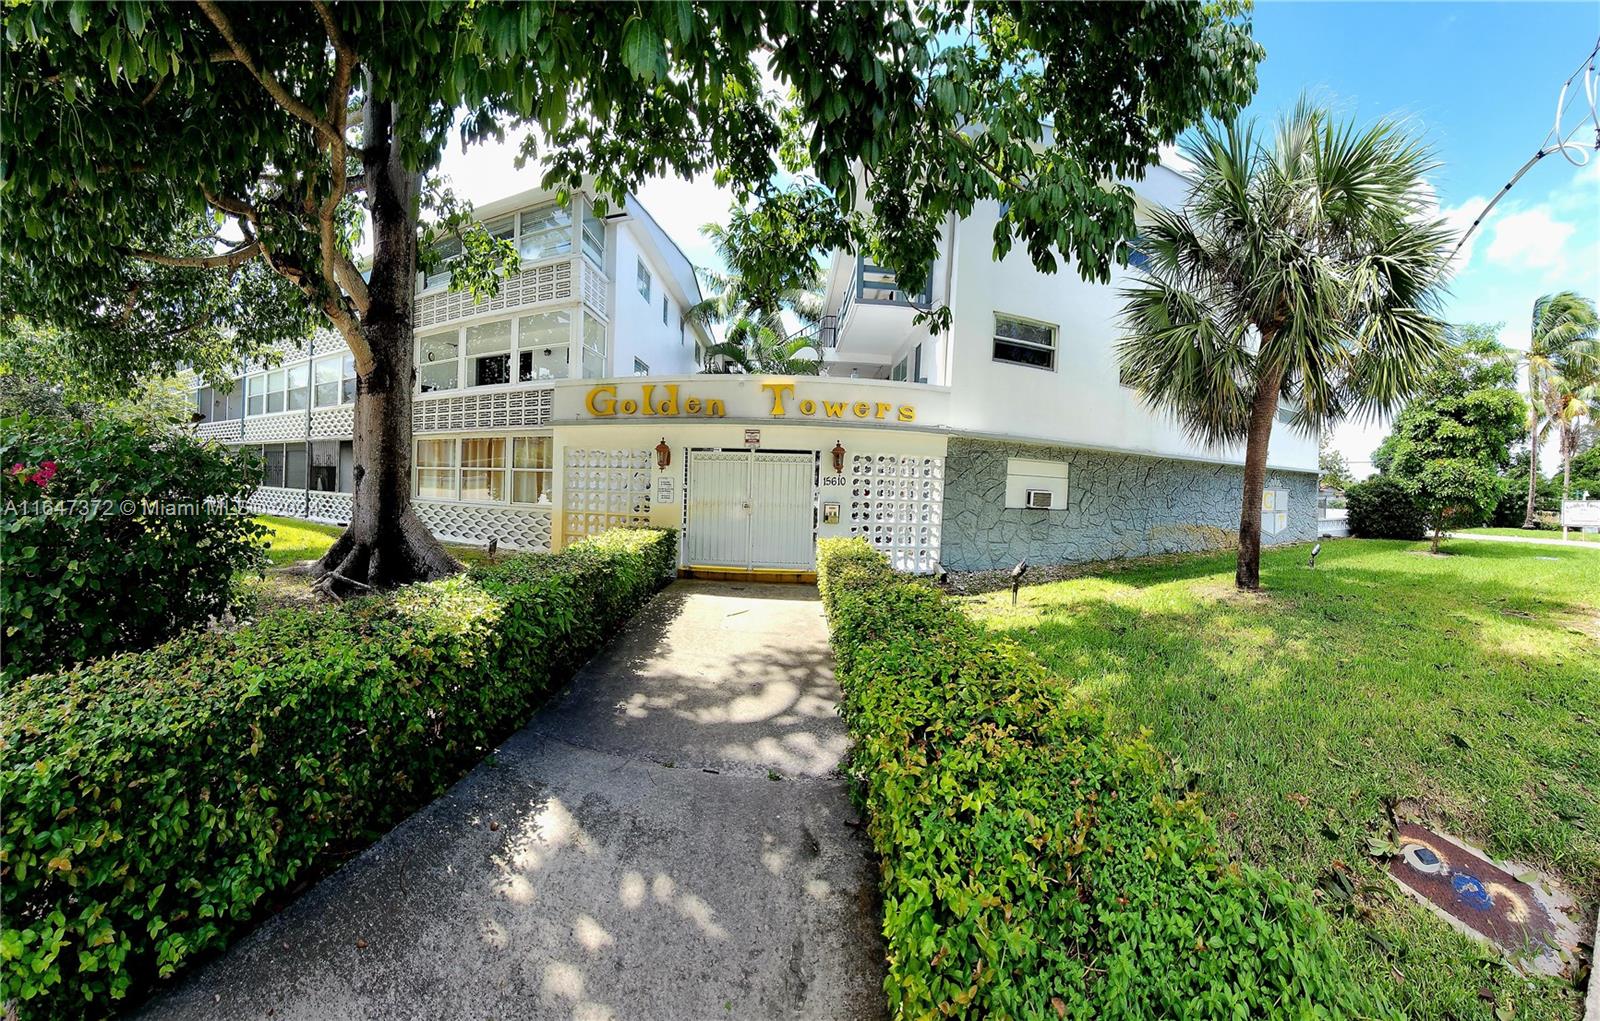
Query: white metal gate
(750, 509)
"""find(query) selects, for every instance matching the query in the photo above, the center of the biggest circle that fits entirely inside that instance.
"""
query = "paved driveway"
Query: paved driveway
(668, 840)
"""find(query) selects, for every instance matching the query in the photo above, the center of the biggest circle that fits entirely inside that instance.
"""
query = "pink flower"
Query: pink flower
(18, 469)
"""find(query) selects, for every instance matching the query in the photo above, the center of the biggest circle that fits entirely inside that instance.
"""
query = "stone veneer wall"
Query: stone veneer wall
(1118, 505)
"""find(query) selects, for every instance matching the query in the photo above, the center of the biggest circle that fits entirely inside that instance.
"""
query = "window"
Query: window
(1036, 484)
(644, 280)
(898, 373)
(1274, 511)
(1137, 259)
(546, 231)
(663, 310)
(502, 228)
(542, 343)
(255, 395)
(489, 353)
(436, 469)
(594, 347)
(594, 235)
(477, 468)
(299, 391)
(1024, 342)
(325, 465)
(448, 251)
(333, 381)
(436, 361)
(530, 469)
(640, 368)
(273, 455)
(483, 469)
(294, 465)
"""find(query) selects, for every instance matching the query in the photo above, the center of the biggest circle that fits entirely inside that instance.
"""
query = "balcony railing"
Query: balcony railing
(823, 334)
(876, 285)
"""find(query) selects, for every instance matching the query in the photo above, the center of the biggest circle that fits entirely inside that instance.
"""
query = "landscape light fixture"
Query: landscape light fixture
(838, 458)
(1315, 549)
(1016, 578)
(663, 454)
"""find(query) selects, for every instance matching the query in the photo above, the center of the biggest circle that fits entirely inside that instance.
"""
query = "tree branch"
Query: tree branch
(275, 89)
(232, 259)
(350, 279)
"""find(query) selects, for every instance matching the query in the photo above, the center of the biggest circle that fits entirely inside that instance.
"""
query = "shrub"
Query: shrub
(157, 801)
(1034, 865)
(1382, 508)
(117, 536)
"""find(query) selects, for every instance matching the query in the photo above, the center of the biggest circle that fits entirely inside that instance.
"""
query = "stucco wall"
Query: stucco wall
(1119, 505)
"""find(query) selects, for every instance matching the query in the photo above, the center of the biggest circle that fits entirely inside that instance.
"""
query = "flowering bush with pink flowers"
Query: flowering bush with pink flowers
(114, 535)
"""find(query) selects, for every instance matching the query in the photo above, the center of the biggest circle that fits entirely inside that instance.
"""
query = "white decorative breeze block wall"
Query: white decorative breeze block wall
(476, 523)
(550, 282)
(333, 508)
(228, 430)
(897, 504)
(501, 409)
(287, 425)
(278, 500)
(595, 286)
(605, 489)
(333, 423)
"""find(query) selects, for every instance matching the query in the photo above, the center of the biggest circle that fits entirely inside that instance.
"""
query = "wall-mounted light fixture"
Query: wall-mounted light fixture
(838, 458)
(663, 453)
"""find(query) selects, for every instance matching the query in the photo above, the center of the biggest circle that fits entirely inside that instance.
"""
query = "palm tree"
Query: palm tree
(1302, 271)
(756, 339)
(1562, 350)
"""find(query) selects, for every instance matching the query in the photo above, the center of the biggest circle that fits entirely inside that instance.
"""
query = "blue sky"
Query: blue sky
(1478, 80)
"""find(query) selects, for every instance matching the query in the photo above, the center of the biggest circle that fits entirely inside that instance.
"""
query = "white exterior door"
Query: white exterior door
(750, 510)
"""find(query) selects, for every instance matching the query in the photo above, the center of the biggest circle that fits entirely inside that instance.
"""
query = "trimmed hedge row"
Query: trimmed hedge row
(157, 801)
(1034, 865)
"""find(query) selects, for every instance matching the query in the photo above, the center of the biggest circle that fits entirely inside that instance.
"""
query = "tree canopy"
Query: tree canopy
(1453, 438)
(151, 144)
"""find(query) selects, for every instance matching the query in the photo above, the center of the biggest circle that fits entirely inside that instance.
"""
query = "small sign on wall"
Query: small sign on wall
(830, 514)
(752, 437)
(664, 490)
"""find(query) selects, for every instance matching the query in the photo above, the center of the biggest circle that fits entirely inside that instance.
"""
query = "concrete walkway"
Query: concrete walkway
(668, 840)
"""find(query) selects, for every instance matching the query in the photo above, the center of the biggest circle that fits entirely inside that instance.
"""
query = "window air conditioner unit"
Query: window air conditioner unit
(1038, 499)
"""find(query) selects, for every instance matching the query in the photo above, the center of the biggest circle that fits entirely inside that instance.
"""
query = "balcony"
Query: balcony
(876, 319)
(567, 279)
(876, 285)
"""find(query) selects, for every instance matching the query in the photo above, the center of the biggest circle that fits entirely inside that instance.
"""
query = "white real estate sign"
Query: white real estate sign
(1580, 513)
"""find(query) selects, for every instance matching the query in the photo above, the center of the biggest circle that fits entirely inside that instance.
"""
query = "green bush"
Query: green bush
(157, 801)
(117, 536)
(1034, 865)
(1382, 508)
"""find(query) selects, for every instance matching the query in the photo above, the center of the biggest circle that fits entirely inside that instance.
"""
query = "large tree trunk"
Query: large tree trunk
(386, 544)
(1262, 411)
(1528, 520)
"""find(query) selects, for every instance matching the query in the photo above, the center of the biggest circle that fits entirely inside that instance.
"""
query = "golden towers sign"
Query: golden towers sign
(666, 402)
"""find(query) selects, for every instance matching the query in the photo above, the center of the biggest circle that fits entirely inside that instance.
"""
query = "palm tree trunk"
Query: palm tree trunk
(1528, 520)
(1569, 440)
(1247, 575)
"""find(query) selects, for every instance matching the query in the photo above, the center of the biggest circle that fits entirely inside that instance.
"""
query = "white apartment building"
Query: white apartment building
(571, 402)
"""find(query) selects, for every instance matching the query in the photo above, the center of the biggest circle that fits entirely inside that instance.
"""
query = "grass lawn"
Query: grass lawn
(1536, 533)
(290, 540)
(1468, 683)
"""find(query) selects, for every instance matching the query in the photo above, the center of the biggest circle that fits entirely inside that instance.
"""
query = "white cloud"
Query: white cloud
(1459, 219)
(1531, 239)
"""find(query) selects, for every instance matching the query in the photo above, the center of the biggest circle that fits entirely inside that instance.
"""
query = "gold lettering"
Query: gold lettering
(882, 410)
(715, 408)
(861, 409)
(644, 399)
(630, 407)
(691, 406)
(834, 409)
(598, 408)
(907, 413)
(808, 407)
(670, 405)
(778, 390)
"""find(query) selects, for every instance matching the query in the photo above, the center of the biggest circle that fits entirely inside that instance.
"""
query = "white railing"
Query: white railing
(473, 524)
(331, 508)
(280, 500)
(537, 285)
(500, 408)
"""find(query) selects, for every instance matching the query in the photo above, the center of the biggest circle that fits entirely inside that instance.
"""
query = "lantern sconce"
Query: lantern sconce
(838, 458)
(663, 454)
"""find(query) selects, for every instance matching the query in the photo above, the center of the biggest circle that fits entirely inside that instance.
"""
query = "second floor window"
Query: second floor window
(546, 231)
(1024, 342)
(643, 273)
(663, 310)
(333, 381)
(640, 368)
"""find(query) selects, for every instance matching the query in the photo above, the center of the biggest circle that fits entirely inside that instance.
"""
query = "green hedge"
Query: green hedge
(1034, 865)
(1382, 508)
(117, 536)
(157, 801)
